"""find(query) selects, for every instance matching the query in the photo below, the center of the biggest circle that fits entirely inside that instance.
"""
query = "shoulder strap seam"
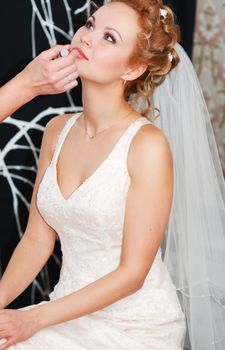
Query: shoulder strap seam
(61, 137)
(132, 134)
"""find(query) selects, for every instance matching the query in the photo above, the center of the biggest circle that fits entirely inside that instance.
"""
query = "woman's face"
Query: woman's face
(107, 39)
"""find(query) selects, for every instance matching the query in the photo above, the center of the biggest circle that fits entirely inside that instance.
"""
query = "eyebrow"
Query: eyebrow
(108, 28)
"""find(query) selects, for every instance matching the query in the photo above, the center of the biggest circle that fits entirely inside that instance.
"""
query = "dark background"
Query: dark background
(19, 150)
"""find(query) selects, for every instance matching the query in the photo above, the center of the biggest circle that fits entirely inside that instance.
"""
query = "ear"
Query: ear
(134, 73)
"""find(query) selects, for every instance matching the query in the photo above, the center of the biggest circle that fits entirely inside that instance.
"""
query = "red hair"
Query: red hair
(155, 42)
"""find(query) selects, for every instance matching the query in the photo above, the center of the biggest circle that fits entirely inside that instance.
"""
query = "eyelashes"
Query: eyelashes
(88, 24)
(107, 35)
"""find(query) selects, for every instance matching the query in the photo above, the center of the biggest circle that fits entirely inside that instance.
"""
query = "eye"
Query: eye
(88, 24)
(109, 38)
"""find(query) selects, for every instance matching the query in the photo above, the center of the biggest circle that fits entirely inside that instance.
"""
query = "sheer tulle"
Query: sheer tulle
(195, 240)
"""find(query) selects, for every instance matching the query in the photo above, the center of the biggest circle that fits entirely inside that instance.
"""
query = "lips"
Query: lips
(81, 54)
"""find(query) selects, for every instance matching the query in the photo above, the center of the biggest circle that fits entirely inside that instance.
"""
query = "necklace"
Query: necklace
(91, 137)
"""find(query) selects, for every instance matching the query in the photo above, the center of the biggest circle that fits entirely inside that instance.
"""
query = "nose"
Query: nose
(86, 39)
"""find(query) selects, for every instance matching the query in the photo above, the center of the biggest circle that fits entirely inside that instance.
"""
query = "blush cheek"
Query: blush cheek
(76, 37)
(112, 65)
(104, 66)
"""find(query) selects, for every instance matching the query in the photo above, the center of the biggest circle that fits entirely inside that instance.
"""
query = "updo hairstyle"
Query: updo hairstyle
(155, 48)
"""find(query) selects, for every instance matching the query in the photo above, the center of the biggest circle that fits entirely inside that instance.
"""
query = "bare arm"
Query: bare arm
(41, 76)
(38, 241)
(147, 211)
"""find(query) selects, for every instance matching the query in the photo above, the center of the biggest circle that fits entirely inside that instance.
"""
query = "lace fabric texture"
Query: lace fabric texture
(89, 224)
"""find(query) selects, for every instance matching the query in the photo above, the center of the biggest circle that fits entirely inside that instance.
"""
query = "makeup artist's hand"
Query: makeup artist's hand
(46, 75)
(15, 326)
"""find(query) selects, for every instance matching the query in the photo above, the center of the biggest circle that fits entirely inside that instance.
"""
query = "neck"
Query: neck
(103, 105)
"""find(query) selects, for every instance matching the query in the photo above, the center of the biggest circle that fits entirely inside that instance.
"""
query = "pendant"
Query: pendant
(91, 136)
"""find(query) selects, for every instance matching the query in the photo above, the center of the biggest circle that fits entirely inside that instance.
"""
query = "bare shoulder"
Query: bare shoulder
(56, 124)
(149, 148)
(54, 127)
(51, 133)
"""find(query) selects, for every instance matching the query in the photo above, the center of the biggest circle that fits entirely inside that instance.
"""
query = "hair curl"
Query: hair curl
(156, 40)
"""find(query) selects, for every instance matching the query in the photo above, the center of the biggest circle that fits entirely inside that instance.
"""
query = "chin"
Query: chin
(92, 79)
(99, 77)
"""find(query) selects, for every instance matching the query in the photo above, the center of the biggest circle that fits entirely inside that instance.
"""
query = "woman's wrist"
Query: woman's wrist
(2, 305)
(37, 316)
(3, 302)
(25, 85)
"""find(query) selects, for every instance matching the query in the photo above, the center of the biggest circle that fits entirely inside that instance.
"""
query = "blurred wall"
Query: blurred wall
(209, 61)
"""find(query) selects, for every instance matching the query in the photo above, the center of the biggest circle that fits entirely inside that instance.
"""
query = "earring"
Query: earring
(124, 82)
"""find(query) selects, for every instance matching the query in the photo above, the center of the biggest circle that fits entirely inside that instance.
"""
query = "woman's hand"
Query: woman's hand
(46, 75)
(16, 326)
(43, 76)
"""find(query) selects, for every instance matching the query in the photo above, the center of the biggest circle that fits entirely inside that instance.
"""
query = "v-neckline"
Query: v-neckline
(99, 167)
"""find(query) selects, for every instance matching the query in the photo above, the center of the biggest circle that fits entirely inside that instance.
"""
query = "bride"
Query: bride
(105, 185)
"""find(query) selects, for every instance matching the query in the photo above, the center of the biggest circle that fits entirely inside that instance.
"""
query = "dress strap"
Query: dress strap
(61, 137)
(132, 132)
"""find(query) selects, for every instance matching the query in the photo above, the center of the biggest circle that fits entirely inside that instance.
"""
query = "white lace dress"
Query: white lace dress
(90, 224)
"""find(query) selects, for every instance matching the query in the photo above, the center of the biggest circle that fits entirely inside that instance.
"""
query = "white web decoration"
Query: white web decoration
(43, 15)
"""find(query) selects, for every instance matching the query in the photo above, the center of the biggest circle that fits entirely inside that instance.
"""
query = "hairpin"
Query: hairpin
(163, 13)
